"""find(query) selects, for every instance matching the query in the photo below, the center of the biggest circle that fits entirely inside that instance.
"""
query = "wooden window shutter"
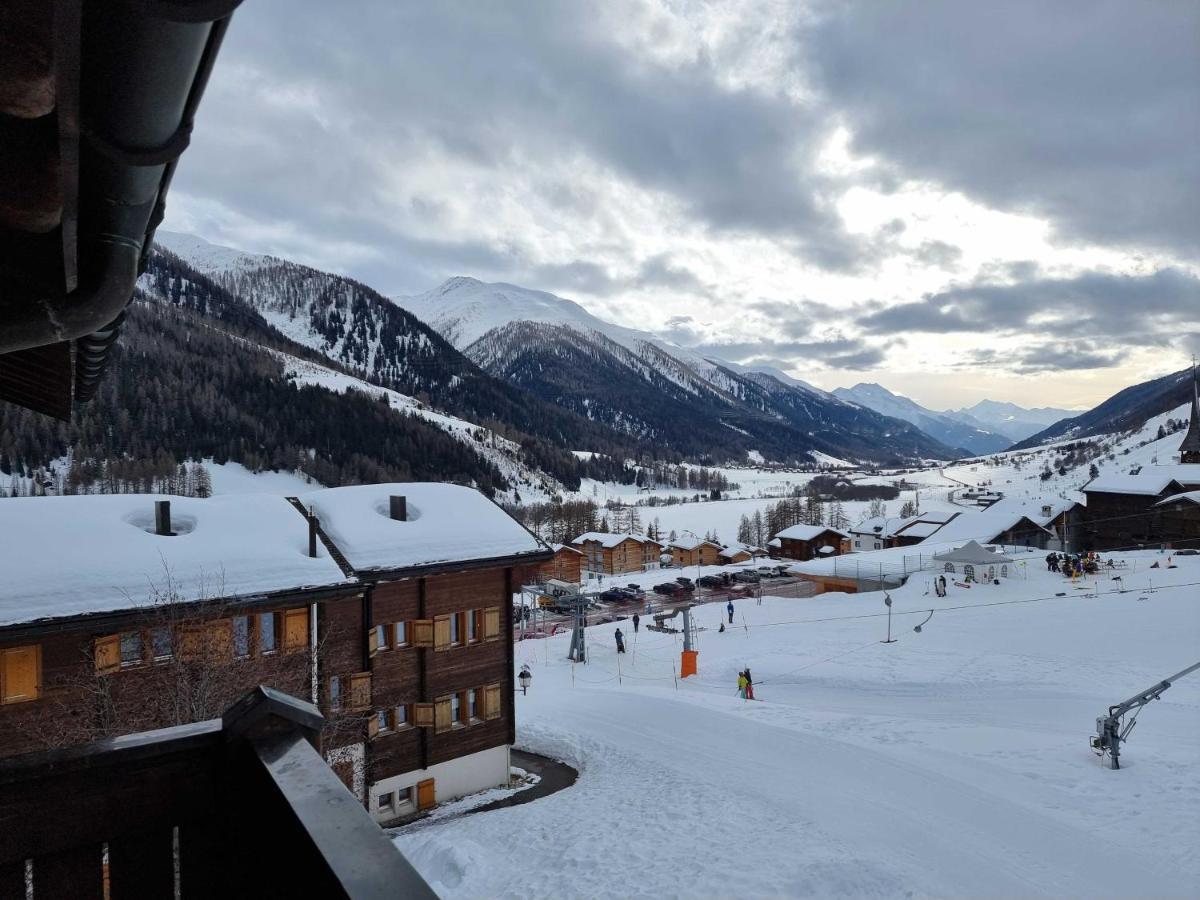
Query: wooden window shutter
(295, 629)
(421, 632)
(492, 708)
(373, 725)
(218, 639)
(426, 794)
(360, 690)
(491, 623)
(441, 633)
(108, 654)
(19, 674)
(372, 641)
(423, 715)
(441, 715)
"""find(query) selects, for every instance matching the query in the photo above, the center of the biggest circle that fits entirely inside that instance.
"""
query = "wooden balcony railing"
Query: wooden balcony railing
(244, 806)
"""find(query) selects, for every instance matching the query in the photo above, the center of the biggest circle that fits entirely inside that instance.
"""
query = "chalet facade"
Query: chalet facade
(694, 552)
(565, 565)
(617, 554)
(403, 644)
(1179, 520)
(805, 542)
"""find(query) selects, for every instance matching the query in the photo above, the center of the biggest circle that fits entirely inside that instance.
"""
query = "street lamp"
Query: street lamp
(525, 677)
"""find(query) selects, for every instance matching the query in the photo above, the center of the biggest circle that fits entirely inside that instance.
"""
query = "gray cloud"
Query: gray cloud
(1092, 304)
(836, 352)
(1084, 112)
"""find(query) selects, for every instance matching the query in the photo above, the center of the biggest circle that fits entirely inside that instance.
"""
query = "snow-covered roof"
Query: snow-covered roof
(690, 543)
(735, 549)
(971, 552)
(918, 529)
(608, 540)
(807, 532)
(775, 542)
(883, 526)
(1186, 496)
(1149, 480)
(560, 547)
(67, 556)
(446, 522)
(984, 525)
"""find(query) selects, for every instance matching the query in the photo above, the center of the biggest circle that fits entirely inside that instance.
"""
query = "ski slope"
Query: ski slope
(950, 763)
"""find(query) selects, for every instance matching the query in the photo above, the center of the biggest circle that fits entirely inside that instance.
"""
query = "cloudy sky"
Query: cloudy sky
(957, 200)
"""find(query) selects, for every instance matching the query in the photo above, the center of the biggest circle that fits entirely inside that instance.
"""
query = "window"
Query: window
(160, 643)
(456, 629)
(335, 692)
(473, 704)
(402, 716)
(267, 642)
(381, 637)
(380, 723)
(131, 649)
(386, 802)
(456, 709)
(401, 634)
(404, 797)
(20, 676)
(295, 629)
(241, 636)
(472, 626)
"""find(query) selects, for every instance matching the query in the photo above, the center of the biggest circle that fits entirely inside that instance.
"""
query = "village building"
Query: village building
(380, 611)
(1123, 510)
(694, 552)
(805, 542)
(775, 548)
(617, 554)
(565, 565)
(740, 553)
(1179, 520)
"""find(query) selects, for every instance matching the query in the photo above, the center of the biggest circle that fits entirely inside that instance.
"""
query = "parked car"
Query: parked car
(747, 576)
(614, 595)
(669, 588)
(711, 581)
(687, 583)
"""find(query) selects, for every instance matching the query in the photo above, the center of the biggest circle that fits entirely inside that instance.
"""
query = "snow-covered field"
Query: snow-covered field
(951, 763)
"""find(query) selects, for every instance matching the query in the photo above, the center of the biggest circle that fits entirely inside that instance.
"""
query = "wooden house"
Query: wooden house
(694, 552)
(739, 553)
(1122, 511)
(565, 565)
(401, 635)
(806, 542)
(617, 554)
(1179, 520)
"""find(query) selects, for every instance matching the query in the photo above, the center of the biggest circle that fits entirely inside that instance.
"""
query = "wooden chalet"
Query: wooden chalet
(694, 552)
(1178, 520)
(739, 553)
(565, 565)
(805, 542)
(1123, 511)
(617, 554)
(401, 638)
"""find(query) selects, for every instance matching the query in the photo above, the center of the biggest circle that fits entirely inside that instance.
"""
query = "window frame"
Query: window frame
(141, 645)
(273, 618)
(399, 635)
(233, 633)
(335, 693)
(5, 698)
(391, 802)
(473, 629)
(155, 632)
(404, 709)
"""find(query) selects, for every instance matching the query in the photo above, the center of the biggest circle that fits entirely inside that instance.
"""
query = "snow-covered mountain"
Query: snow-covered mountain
(651, 388)
(1009, 419)
(974, 440)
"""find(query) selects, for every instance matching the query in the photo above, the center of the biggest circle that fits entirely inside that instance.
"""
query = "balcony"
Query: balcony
(243, 806)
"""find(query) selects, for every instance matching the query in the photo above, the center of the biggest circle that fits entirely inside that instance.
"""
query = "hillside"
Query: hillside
(1124, 411)
(653, 390)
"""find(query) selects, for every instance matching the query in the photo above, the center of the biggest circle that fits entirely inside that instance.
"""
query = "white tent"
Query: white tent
(971, 553)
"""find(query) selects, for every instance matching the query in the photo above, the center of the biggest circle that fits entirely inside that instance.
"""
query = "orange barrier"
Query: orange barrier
(687, 663)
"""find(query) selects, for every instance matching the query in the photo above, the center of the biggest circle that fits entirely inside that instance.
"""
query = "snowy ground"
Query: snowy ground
(950, 763)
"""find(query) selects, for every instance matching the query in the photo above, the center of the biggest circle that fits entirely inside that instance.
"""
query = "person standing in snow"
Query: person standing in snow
(742, 685)
(620, 641)
(636, 619)
(749, 684)
(729, 609)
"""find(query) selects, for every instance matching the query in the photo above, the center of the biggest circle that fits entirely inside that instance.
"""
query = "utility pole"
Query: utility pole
(578, 652)
(887, 600)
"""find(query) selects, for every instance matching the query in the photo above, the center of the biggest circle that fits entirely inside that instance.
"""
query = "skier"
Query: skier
(729, 609)
(636, 619)
(620, 641)
(742, 685)
(749, 684)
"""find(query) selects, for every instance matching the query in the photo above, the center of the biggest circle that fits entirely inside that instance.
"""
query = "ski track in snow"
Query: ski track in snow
(953, 763)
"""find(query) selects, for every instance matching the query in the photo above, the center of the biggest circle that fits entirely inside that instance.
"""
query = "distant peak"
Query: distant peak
(457, 282)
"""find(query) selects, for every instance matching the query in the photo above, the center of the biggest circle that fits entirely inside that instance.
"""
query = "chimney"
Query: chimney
(313, 524)
(162, 517)
(1046, 510)
(399, 509)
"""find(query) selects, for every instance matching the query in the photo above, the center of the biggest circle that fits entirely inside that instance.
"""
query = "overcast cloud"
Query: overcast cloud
(951, 196)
